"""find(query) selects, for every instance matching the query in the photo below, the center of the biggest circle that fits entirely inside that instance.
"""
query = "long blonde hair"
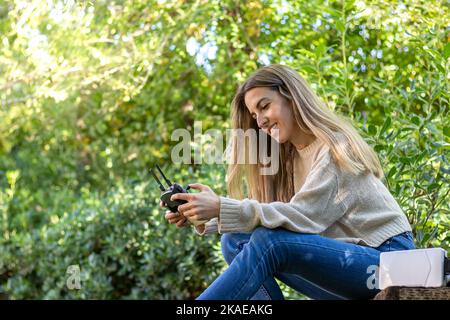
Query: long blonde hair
(347, 147)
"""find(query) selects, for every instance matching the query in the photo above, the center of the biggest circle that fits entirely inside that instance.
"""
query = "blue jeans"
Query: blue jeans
(316, 266)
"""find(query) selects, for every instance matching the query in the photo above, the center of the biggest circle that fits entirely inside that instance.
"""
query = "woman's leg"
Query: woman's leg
(335, 266)
(232, 244)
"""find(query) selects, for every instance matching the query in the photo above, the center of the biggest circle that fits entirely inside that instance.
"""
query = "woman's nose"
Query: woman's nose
(262, 122)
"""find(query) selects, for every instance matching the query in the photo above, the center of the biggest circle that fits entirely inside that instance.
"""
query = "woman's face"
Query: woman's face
(272, 113)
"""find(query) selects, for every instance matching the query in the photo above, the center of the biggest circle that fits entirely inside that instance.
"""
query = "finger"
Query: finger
(172, 215)
(181, 223)
(176, 220)
(184, 207)
(199, 186)
(162, 204)
(172, 221)
(181, 196)
(190, 213)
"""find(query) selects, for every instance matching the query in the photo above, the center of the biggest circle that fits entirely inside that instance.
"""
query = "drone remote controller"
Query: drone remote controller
(168, 192)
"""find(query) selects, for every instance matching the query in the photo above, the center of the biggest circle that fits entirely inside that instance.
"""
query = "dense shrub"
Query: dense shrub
(81, 121)
(122, 245)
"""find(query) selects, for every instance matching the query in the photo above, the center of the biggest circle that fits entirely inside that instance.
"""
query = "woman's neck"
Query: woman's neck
(302, 140)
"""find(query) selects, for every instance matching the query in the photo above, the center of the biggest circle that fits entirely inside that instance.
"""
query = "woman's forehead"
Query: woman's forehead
(253, 96)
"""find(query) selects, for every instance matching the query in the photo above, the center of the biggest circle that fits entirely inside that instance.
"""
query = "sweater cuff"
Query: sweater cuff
(230, 215)
(209, 227)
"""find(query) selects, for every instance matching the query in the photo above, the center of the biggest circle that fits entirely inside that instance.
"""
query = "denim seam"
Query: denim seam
(238, 250)
(321, 288)
(265, 292)
(254, 270)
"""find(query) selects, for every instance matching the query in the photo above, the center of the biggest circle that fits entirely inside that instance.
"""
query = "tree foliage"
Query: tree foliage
(90, 92)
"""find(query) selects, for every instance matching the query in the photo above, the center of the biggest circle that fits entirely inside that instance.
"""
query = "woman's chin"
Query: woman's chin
(276, 136)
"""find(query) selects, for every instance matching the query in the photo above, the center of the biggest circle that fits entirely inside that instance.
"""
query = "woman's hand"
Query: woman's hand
(201, 206)
(174, 217)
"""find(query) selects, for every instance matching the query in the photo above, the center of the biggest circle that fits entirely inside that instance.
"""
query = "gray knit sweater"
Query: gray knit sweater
(329, 201)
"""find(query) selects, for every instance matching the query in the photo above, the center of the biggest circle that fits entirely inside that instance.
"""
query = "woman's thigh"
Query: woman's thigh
(233, 243)
(340, 268)
(318, 267)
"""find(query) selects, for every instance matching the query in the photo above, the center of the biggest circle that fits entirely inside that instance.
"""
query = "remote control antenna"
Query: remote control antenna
(161, 187)
(167, 180)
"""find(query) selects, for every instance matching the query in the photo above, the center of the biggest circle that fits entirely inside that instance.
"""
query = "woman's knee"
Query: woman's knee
(275, 239)
(262, 235)
(232, 244)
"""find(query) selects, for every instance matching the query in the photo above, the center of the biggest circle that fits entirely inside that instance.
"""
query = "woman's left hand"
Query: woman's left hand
(204, 205)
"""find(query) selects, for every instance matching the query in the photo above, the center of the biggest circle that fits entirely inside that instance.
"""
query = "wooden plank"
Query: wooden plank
(414, 293)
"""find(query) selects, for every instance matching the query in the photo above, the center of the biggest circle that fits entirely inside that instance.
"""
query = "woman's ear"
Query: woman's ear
(285, 94)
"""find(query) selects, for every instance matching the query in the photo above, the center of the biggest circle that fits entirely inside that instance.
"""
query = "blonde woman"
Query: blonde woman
(320, 222)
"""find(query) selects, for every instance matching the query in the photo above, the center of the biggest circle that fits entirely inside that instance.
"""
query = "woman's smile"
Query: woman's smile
(274, 131)
(269, 129)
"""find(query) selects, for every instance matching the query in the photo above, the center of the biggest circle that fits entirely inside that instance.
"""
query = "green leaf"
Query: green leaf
(305, 53)
(349, 85)
(434, 187)
(331, 11)
(447, 50)
(372, 129)
(379, 147)
(392, 172)
(426, 238)
(12, 177)
(308, 68)
(405, 160)
(320, 50)
(386, 125)
(446, 131)
(340, 26)
(416, 120)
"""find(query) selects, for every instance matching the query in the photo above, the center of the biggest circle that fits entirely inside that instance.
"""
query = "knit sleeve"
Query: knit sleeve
(209, 227)
(313, 208)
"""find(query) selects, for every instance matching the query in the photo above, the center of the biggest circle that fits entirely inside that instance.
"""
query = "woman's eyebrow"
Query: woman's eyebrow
(258, 105)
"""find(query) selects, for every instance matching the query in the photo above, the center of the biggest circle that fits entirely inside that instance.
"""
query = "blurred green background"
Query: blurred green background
(91, 91)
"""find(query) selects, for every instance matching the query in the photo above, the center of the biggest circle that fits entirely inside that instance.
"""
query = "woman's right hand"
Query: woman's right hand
(174, 217)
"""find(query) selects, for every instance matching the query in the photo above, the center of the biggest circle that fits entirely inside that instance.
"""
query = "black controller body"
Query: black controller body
(173, 204)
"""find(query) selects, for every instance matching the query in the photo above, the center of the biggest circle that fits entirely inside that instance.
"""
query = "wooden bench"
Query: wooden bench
(413, 293)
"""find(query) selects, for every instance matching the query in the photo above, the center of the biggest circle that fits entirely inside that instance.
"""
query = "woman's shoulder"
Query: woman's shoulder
(323, 157)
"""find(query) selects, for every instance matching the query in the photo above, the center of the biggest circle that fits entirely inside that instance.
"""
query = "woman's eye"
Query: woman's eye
(266, 106)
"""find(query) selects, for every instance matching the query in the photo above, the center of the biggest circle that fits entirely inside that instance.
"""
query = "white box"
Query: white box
(413, 268)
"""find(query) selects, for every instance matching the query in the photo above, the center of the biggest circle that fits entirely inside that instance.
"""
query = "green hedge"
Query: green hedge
(122, 245)
(81, 121)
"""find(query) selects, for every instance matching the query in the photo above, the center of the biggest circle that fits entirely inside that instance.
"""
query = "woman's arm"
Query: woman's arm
(315, 207)
(312, 210)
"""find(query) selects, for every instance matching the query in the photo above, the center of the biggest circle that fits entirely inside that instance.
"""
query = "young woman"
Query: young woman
(320, 223)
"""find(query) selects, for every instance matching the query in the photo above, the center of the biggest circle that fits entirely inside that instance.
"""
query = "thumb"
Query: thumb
(199, 186)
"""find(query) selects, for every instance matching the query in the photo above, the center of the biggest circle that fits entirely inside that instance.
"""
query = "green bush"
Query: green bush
(122, 245)
(417, 168)
(82, 120)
